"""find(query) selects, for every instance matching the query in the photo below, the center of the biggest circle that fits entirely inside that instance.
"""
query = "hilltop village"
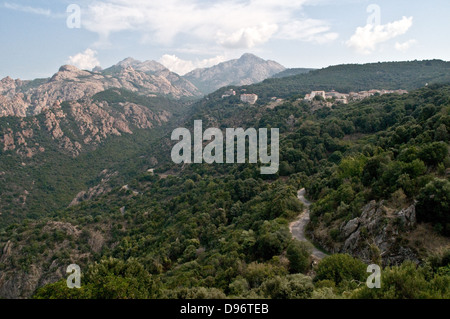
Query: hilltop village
(320, 97)
(345, 98)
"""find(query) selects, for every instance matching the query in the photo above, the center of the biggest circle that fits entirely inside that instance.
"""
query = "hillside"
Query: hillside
(354, 77)
(291, 72)
(212, 231)
(77, 149)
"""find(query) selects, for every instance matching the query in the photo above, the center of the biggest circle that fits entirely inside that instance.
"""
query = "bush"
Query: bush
(434, 204)
(341, 268)
(109, 279)
(408, 282)
(298, 254)
(257, 273)
(296, 286)
(433, 153)
(194, 293)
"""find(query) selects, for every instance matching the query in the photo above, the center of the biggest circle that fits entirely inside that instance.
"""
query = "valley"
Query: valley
(86, 177)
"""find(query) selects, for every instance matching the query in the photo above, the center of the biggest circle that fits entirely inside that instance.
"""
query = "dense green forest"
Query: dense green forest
(216, 231)
(291, 72)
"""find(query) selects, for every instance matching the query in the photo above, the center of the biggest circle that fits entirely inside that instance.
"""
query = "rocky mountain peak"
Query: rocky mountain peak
(7, 80)
(146, 66)
(68, 72)
(69, 68)
(128, 62)
(246, 70)
(249, 57)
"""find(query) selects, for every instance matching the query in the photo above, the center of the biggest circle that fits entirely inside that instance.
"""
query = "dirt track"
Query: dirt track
(297, 227)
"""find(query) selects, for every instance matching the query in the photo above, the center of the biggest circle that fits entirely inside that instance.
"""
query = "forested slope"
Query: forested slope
(199, 231)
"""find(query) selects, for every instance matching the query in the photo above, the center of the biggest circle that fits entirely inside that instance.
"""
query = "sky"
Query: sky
(38, 36)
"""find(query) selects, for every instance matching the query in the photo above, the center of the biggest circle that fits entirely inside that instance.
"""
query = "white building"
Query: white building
(228, 93)
(249, 98)
(310, 97)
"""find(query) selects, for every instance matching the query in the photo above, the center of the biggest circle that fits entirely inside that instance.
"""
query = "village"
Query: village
(345, 98)
(329, 98)
(246, 98)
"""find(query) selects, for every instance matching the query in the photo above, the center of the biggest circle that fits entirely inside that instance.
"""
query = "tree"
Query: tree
(257, 273)
(433, 153)
(408, 282)
(434, 204)
(296, 286)
(108, 279)
(298, 254)
(341, 268)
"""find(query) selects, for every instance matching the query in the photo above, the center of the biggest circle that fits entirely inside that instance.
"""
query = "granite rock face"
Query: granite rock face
(378, 232)
(27, 98)
(79, 125)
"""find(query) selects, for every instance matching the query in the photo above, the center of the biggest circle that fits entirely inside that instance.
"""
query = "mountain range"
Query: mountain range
(25, 98)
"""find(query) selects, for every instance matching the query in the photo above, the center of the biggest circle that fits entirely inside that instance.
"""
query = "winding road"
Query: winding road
(297, 227)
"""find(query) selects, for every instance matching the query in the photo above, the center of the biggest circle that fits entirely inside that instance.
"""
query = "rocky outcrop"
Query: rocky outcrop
(380, 232)
(81, 124)
(26, 98)
(47, 266)
(101, 188)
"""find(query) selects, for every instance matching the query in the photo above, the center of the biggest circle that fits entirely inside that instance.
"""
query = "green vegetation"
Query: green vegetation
(108, 279)
(291, 72)
(341, 269)
(215, 231)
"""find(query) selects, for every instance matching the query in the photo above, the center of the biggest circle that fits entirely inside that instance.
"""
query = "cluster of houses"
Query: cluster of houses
(330, 98)
(246, 98)
(352, 96)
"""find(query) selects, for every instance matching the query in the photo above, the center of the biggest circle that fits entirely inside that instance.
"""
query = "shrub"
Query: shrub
(340, 268)
(434, 204)
(298, 254)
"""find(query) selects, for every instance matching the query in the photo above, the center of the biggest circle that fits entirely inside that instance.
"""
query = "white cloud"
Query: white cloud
(405, 46)
(27, 9)
(230, 23)
(310, 30)
(366, 39)
(247, 37)
(86, 60)
(180, 66)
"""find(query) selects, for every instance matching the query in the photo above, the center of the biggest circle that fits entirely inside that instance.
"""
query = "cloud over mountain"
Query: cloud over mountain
(367, 38)
(85, 60)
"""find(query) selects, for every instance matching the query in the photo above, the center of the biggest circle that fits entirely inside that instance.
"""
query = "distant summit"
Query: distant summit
(149, 67)
(246, 70)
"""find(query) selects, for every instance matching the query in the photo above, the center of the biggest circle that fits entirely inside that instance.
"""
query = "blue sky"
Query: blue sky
(185, 34)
